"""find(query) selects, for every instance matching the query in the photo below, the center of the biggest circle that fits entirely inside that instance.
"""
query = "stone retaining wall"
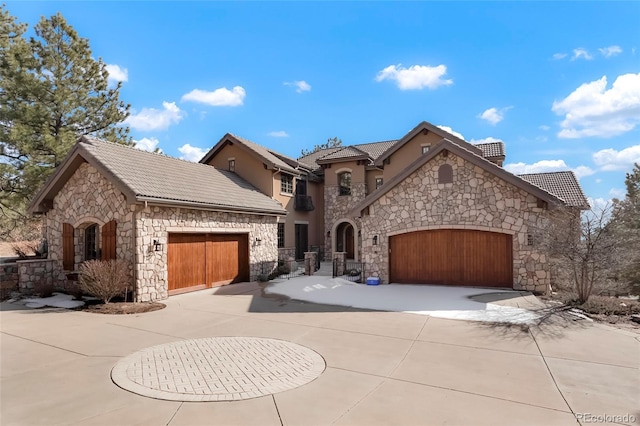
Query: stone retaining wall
(40, 272)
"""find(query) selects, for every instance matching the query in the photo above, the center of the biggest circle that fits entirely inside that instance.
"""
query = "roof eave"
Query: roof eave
(343, 159)
(210, 207)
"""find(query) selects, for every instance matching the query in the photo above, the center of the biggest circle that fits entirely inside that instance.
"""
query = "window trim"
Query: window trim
(381, 179)
(232, 165)
(286, 186)
(427, 146)
(280, 230)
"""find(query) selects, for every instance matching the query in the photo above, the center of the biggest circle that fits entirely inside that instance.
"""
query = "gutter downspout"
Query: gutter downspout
(134, 232)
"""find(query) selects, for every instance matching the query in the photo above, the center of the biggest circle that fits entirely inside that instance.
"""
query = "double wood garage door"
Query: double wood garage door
(452, 256)
(198, 261)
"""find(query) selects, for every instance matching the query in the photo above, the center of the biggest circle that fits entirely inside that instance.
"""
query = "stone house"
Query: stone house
(426, 208)
(178, 225)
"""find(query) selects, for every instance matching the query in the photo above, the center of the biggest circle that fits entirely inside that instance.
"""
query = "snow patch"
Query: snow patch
(436, 301)
(58, 300)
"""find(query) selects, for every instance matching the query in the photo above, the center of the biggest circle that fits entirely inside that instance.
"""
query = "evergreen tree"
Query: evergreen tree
(51, 92)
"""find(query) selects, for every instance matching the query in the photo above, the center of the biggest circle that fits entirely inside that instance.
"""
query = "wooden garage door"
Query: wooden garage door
(198, 261)
(452, 256)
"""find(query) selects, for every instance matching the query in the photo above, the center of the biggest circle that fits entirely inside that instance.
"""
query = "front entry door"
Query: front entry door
(302, 240)
(349, 242)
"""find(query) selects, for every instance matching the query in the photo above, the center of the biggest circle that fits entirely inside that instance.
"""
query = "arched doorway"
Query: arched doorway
(344, 239)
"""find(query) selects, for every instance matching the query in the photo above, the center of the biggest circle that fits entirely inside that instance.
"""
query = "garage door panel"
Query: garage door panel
(451, 256)
(185, 261)
(197, 261)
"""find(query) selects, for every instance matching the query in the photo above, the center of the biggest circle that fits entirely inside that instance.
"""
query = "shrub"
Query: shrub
(104, 279)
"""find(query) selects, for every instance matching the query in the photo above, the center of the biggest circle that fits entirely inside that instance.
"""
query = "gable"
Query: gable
(408, 152)
(446, 147)
(472, 192)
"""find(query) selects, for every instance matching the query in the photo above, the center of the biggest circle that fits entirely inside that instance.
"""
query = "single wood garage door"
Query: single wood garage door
(198, 261)
(452, 256)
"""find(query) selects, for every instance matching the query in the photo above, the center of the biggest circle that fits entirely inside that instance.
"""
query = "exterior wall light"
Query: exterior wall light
(157, 246)
(258, 241)
(375, 240)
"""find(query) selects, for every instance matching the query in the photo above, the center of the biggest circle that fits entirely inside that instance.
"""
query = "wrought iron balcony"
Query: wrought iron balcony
(303, 203)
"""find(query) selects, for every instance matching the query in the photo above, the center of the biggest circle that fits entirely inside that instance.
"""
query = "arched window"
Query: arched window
(91, 242)
(445, 174)
(344, 182)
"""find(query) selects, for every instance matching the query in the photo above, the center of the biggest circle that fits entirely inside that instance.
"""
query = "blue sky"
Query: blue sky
(559, 83)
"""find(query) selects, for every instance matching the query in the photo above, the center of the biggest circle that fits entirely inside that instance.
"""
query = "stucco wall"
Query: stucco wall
(408, 153)
(248, 167)
(88, 197)
(155, 223)
(475, 200)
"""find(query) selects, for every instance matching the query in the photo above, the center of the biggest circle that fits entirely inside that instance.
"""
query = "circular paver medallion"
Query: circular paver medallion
(217, 369)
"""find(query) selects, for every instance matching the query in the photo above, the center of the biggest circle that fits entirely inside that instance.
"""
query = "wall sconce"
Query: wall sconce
(375, 240)
(328, 234)
(157, 246)
(258, 241)
(359, 233)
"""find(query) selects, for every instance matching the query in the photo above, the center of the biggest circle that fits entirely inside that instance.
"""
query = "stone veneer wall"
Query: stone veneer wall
(88, 197)
(337, 207)
(155, 223)
(35, 272)
(475, 200)
(286, 253)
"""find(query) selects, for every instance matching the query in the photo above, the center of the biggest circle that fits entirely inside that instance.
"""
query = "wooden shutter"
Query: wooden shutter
(68, 249)
(109, 240)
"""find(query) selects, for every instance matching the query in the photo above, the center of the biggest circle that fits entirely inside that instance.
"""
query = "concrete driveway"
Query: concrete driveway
(381, 367)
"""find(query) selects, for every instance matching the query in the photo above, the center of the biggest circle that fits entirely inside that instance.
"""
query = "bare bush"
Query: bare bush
(104, 279)
(582, 247)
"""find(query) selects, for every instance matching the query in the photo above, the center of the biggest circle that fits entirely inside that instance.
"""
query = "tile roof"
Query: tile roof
(155, 176)
(279, 160)
(310, 159)
(564, 185)
(376, 149)
(372, 149)
(492, 149)
(343, 153)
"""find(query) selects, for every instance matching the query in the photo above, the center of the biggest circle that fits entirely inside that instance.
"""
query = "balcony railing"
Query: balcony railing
(303, 203)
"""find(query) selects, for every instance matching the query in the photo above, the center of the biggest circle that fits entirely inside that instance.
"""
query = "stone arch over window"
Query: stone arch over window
(87, 240)
(445, 174)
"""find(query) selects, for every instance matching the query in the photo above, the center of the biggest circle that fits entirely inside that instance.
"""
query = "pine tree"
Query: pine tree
(51, 92)
(333, 142)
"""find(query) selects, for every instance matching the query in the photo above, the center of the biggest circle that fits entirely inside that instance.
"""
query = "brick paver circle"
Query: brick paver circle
(217, 369)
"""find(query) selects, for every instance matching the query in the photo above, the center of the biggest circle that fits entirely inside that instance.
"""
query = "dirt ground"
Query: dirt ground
(124, 308)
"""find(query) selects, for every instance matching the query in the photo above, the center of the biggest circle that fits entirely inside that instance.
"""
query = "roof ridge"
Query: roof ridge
(158, 154)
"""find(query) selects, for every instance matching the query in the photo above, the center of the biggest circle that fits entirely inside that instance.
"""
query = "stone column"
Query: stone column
(310, 262)
(340, 258)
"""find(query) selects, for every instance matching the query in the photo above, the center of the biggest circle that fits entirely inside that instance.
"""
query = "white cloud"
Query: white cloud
(545, 166)
(300, 85)
(155, 119)
(453, 132)
(279, 134)
(484, 140)
(219, 97)
(494, 115)
(544, 127)
(416, 77)
(581, 53)
(600, 205)
(594, 110)
(610, 159)
(610, 51)
(116, 73)
(192, 153)
(617, 193)
(147, 144)
(558, 56)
